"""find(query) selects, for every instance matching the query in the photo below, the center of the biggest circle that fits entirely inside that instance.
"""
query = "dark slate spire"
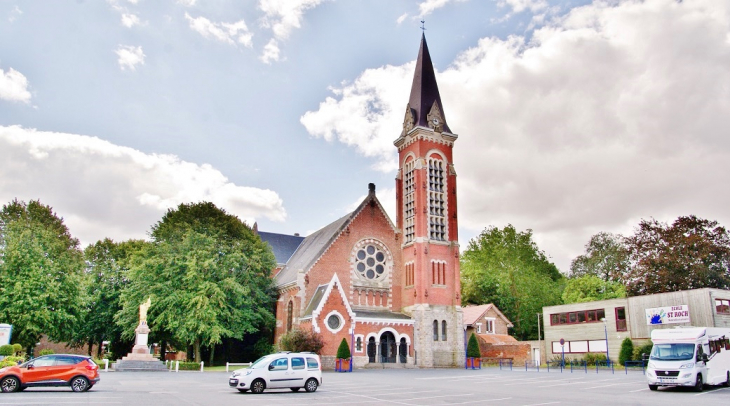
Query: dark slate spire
(424, 90)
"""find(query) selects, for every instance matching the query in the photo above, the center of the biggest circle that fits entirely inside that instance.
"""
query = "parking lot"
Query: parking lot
(365, 387)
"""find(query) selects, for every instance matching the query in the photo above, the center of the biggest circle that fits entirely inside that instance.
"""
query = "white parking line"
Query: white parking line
(540, 404)
(638, 390)
(613, 384)
(478, 401)
(712, 391)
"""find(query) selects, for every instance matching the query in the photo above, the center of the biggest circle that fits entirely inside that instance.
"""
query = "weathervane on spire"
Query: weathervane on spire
(423, 26)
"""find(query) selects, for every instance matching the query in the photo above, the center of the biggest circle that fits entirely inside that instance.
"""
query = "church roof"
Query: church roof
(315, 244)
(424, 90)
(283, 245)
(381, 315)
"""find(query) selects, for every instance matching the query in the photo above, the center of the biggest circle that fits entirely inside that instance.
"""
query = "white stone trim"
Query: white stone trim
(363, 342)
(318, 310)
(326, 324)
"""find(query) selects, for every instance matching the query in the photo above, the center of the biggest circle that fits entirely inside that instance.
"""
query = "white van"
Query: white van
(293, 370)
(689, 356)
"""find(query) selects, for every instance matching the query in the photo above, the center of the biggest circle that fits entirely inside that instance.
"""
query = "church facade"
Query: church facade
(391, 289)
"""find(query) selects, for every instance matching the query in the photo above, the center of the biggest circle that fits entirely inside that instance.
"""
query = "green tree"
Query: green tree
(472, 348)
(589, 288)
(627, 351)
(505, 267)
(606, 257)
(343, 351)
(208, 276)
(41, 273)
(107, 267)
(690, 253)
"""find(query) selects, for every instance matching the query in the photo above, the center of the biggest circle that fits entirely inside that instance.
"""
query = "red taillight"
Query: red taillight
(91, 367)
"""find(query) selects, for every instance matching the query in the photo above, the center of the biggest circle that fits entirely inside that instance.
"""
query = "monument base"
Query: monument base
(140, 358)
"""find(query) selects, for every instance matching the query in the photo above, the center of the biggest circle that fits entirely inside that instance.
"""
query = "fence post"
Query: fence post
(106, 364)
(226, 367)
(201, 366)
(177, 366)
(585, 365)
(611, 367)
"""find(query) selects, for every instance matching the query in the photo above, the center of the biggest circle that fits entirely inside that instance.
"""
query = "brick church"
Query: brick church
(391, 289)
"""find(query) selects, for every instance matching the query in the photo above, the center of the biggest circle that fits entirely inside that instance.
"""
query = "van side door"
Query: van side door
(298, 372)
(278, 373)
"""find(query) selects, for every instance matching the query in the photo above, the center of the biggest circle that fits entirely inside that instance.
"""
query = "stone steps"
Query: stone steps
(387, 365)
(132, 365)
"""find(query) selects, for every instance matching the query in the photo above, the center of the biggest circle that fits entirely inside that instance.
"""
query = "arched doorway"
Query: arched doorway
(403, 351)
(388, 348)
(371, 349)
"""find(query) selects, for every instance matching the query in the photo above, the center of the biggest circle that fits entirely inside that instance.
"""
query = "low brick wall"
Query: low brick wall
(518, 352)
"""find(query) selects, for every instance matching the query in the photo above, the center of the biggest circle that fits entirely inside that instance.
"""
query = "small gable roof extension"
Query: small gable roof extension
(317, 243)
(474, 313)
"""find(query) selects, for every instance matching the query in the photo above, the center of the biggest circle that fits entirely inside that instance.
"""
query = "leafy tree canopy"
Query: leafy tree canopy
(208, 276)
(606, 257)
(589, 288)
(505, 267)
(41, 273)
(688, 254)
(107, 267)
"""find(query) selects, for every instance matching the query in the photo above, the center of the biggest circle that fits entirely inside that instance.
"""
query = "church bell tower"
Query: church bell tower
(427, 220)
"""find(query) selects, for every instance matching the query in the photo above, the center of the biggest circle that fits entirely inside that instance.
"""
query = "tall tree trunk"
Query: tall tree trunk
(98, 349)
(91, 346)
(196, 350)
(212, 354)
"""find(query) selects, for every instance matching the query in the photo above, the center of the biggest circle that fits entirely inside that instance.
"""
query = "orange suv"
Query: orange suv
(77, 371)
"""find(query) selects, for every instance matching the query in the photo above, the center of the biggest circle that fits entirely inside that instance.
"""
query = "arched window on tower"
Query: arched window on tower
(436, 199)
(289, 315)
(443, 330)
(435, 330)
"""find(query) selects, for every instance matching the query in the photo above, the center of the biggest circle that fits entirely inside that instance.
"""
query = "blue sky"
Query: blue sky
(573, 116)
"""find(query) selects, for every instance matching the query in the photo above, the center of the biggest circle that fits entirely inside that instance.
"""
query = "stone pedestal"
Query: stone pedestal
(140, 358)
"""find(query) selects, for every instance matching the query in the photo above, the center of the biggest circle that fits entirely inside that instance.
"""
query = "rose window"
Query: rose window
(370, 262)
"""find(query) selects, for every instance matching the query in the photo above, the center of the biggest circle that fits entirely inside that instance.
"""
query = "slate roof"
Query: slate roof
(424, 89)
(498, 339)
(316, 298)
(283, 245)
(315, 244)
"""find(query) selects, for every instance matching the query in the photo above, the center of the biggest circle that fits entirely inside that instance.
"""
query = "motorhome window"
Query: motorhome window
(672, 352)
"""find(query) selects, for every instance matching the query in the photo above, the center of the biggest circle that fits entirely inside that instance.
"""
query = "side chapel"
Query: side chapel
(391, 289)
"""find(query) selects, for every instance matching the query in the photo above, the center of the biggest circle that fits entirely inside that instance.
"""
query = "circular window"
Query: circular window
(333, 322)
(370, 262)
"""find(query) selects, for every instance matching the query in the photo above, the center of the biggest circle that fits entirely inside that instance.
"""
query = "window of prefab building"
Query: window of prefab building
(578, 317)
(722, 306)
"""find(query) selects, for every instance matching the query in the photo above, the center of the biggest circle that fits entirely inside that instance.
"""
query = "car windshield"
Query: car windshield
(672, 352)
(260, 363)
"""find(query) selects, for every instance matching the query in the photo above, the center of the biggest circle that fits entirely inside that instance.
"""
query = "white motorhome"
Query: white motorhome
(689, 356)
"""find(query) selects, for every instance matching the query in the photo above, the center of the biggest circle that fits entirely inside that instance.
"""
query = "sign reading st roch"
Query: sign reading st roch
(667, 315)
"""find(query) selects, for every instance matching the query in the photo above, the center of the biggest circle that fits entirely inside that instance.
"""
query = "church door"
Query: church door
(371, 349)
(403, 350)
(387, 347)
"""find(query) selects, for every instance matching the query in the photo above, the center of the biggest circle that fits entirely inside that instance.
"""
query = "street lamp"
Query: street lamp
(605, 330)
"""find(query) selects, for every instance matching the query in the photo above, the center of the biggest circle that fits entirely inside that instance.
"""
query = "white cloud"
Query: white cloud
(14, 14)
(271, 52)
(367, 114)
(519, 6)
(282, 16)
(106, 190)
(129, 20)
(130, 56)
(611, 113)
(429, 6)
(14, 86)
(402, 18)
(187, 3)
(230, 33)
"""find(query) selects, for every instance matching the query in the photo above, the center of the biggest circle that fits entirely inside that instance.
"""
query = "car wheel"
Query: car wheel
(80, 384)
(311, 385)
(243, 390)
(10, 384)
(295, 389)
(258, 386)
(653, 387)
(698, 383)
